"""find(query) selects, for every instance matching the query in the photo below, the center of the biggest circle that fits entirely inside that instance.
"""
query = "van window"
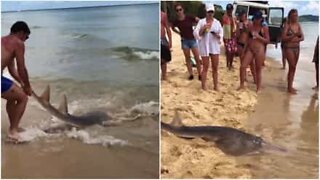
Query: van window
(241, 8)
(275, 17)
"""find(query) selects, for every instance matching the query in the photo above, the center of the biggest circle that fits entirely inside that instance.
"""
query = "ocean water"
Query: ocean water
(103, 59)
(310, 30)
(105, 52)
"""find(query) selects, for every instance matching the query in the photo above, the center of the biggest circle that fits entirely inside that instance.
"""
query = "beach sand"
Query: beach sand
(182, 158)
(290, 121)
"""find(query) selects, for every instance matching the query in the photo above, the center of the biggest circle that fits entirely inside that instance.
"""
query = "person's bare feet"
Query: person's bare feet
(240, 88)
(258, 90)
(13, 135)
(216, 89)
(20, 129)
(204, 87)
(292, 91)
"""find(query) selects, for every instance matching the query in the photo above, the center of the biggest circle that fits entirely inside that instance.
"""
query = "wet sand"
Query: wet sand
(291, 121)
(133, 154)
(272, 114)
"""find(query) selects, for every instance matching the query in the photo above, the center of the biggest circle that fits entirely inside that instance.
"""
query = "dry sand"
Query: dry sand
(182, 158)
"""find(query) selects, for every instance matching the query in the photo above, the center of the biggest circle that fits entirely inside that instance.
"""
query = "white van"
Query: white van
(274, 15)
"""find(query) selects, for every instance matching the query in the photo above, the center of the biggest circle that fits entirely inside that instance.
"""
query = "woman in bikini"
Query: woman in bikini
(292, 35)
(242, 39)
(258, 39)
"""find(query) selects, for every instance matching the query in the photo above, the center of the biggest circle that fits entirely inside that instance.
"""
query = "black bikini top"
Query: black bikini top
(260, 33)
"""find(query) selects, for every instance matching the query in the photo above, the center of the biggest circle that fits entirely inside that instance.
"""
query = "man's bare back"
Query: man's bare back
(8, 48)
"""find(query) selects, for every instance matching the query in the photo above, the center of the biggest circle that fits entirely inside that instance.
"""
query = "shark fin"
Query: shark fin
(45, 96)
(63, 105)
(176, 119)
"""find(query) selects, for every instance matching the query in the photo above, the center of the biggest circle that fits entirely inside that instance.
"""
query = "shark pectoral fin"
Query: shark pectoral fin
(63, 108)
(45, 96)
(176, 119)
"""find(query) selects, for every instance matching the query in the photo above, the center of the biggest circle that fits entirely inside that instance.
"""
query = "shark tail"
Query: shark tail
(45, 98)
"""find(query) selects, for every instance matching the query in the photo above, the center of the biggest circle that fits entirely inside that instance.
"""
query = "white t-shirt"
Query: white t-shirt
(208, 43)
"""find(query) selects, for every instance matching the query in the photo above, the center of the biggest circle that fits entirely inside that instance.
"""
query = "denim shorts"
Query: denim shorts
(188, 43)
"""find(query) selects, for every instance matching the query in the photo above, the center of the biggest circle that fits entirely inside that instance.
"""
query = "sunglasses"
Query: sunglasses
(210, 12)
(178, 10)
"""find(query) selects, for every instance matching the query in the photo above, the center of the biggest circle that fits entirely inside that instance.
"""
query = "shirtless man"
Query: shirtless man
(12, 50)
(165, 45)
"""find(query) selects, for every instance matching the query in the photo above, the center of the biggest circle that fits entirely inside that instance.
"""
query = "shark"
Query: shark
(62, 113)
(229, 140)
(73, 121)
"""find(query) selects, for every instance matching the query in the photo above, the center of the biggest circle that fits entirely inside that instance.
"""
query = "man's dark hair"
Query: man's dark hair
(20, 26)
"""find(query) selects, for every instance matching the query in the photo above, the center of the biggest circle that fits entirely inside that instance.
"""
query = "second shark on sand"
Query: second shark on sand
(231, 141)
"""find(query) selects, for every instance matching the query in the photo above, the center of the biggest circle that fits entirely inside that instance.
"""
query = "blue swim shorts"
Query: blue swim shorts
(5, 84)
(188, 43)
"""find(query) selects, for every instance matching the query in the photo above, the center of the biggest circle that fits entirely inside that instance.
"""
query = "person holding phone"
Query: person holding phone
(209, 33)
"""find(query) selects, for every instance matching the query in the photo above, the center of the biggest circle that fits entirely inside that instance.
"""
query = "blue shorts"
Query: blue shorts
(188, 43)
(5, 84)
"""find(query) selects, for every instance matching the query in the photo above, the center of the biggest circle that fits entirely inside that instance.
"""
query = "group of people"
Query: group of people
(247, 39)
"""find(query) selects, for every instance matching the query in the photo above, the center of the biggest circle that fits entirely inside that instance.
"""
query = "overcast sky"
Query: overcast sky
(31, 5)
(304, 7)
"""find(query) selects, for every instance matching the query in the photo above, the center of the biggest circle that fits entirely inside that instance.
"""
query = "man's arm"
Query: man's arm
(22, 70)
(14, 73)
(174, 29)
(168, 33)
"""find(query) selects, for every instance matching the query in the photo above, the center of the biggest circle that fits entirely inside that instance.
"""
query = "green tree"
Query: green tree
(194, 8)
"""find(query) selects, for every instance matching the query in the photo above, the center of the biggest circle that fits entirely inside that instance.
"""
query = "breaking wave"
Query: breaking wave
(132, 53)
(103, 140)
(150, 108)
(33, 134)
(147, 54)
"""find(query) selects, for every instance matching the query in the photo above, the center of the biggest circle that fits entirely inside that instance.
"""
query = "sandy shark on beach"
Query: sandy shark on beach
(88, 119)
(229, 140)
